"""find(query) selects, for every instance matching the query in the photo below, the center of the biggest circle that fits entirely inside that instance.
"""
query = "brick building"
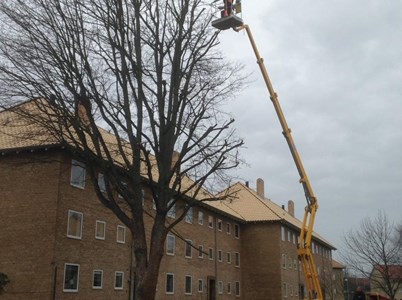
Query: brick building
(58, 242)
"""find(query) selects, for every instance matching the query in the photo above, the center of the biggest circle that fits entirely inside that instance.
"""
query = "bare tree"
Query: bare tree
(374, 251)
(149, 72)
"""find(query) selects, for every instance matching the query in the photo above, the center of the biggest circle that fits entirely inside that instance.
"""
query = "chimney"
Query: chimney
(247, 184)
(260, 188)
(291, 208)
(82, 111)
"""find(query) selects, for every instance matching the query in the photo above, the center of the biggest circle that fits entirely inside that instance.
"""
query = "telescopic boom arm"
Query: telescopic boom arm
(304, 246)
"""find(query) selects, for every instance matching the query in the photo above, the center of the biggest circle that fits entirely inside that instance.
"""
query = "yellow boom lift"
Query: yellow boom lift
(230, 20)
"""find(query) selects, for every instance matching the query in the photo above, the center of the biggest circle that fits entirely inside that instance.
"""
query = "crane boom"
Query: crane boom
(304, 246)
(304, 250)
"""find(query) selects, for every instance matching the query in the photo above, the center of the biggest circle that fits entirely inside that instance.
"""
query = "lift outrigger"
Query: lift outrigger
(231, 20)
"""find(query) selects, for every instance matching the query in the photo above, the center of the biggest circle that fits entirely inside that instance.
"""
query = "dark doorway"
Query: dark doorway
(211, 288)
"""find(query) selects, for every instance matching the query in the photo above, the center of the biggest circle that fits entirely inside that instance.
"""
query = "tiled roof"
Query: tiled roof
(337, 265)
(246, 204)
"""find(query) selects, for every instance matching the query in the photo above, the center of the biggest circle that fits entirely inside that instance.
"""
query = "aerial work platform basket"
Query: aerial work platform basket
(228, 22)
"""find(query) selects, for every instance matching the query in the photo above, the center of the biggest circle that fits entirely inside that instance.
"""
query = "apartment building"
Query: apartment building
(59, 242)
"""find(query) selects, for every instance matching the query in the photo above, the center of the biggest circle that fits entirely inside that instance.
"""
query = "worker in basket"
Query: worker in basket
(228, 8)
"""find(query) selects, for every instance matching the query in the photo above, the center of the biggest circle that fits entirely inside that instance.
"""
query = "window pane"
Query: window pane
(237, 288)
(188, 248)
(200, 251)
(172, 211)
(237, 258)
(97, 279)
(188, 284)
(200, 285)
(118, 282)
(170, 244)
(121, 234)
(201, 218)
(77, 174)
(211, 221)
(189, 216)
(237, 231)
(101, 182)
(71, 277)
(74, 224)
(100, 230)
(169, 283)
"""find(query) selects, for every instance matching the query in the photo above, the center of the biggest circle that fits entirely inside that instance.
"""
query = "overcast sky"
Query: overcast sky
(337, 68)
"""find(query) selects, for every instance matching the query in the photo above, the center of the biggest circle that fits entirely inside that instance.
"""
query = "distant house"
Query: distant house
(382, 275)
(59, 242)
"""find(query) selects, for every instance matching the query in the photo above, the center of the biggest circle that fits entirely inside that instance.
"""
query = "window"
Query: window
(290, 263)
(237, 231)
(289, 236)
(229, 288)
(97, 279)
(283, 233)
(121, 234)
(228, 228)
(200, 285)
(71, 277)
(229, 257)
(172, 211)
(237, 259)
(74, 224)
(170, 244)
(237, 288)
(200, 251)
(284, 261)
(153, 204)
(100, 230)
(285, 289)
(189, 247)
(219, 255)
(220, 287)
(188, 285)
(211, 253)
(201, 217)
(294, 264)
(77, 178)
(189, 216)
(169, 283)
(118, 280)
(219, 225)
(210, 221)
(101, 182)
(294, 238)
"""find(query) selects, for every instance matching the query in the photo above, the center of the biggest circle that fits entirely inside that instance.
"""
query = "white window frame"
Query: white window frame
(237, 259)
(283, 233)
(237, 289)
(124, 234)
(211, 253)
(200, 251)
(172, 211)
(219, 224)
(200, 217)
(173, 239)
(78, 164)
(188, 246)
(101, 182)
(229, 288)
(220, 287)
(64, 278)
(237, 231)
(229, 257)
(166, 284)
(189, 216)
(122, 280)
(70, 211)
(93, 279)
(96, 230)
(228, 228)
(200, 284)
(191, 285)
(220, 255)
(210, 221)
